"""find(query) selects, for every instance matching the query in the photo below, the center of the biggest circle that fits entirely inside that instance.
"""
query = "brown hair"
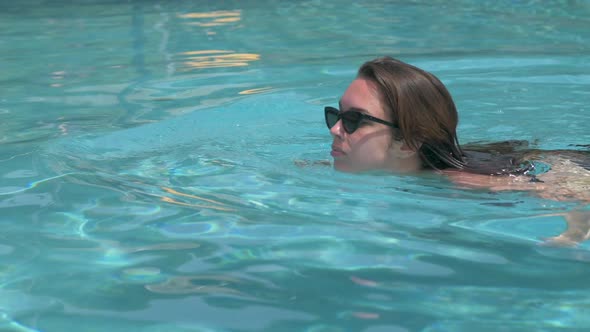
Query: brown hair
(427, 118)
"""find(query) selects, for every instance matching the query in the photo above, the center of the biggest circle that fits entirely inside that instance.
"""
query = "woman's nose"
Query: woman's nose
(337, 129)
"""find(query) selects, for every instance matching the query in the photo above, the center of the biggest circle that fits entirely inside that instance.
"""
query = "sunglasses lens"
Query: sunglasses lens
(331, 116)
(350, 121)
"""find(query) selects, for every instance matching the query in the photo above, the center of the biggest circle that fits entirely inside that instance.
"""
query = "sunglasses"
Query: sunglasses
(351, 120)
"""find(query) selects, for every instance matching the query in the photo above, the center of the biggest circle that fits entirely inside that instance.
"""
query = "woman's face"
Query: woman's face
(370, 146)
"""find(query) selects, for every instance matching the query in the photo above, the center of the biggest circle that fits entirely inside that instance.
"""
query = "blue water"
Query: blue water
(149, 176)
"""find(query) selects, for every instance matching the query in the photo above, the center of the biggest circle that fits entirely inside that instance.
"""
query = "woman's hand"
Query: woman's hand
(307, 163)
(578, 229)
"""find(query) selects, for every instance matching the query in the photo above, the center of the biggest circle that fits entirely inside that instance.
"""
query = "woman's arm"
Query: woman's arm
(494, 182)
(578, 221)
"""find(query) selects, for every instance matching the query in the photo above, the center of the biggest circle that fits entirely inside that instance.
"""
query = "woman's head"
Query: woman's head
(408, 98)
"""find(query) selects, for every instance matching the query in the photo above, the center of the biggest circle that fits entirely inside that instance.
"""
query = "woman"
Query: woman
(399, 118)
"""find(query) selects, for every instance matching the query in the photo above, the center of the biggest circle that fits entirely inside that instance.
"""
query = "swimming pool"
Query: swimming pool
(148, 175)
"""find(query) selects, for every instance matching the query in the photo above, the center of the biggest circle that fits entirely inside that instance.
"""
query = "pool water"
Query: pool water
(151, 173)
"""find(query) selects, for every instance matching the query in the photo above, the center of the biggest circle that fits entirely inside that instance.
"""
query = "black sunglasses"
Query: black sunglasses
(351, 120)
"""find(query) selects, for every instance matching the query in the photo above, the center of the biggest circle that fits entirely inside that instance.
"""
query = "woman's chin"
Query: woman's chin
(342, 166)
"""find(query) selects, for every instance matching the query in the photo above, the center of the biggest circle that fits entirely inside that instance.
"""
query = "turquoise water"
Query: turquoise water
(148, 178)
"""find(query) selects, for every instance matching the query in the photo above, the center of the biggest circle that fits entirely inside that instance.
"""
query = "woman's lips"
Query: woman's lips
(336, 152)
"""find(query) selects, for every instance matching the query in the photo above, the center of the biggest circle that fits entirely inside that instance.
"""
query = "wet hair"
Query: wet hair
(427, 118)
